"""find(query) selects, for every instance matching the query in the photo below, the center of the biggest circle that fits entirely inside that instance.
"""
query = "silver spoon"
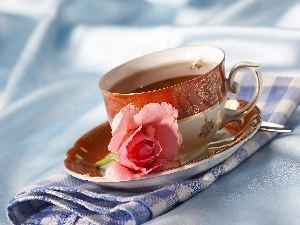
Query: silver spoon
(275, 127)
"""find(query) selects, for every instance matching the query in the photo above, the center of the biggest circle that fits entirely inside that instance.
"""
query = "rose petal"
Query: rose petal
(143, 151)
(150, 131)
(123, 158)
(155, 112)
(126, 158)
(158, 164)
(117, 172)
(139, 137)
(169, 137)
(143, 159)
(123, 151)
(119, 126)
(168, 164)
(163, 118)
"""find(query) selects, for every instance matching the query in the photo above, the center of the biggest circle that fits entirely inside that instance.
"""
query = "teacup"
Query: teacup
(190, 78)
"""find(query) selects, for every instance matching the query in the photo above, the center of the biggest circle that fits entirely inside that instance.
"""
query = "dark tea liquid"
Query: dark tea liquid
(175, 73)
(163, 83)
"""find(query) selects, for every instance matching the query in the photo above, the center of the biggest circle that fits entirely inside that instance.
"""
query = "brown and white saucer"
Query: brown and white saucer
(81, 158)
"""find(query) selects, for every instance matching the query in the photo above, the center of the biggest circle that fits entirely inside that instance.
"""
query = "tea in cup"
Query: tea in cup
(192, 79)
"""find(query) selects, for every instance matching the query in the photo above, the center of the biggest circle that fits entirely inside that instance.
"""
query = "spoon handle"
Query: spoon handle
(275, 127)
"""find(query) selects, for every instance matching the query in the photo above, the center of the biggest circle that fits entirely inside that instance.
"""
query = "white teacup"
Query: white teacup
(199, 95)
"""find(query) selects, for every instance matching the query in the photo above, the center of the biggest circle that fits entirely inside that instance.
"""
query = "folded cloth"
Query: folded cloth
(63, 199)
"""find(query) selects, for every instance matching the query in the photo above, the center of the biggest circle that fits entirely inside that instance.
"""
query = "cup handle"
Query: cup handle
(232, 86)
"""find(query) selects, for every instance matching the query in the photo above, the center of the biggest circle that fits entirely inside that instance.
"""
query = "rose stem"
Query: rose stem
(106, 160)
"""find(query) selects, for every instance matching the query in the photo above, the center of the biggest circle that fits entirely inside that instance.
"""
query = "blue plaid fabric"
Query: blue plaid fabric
(62, 199)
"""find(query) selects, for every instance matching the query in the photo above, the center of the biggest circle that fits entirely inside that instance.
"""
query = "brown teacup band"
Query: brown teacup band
(190, 98)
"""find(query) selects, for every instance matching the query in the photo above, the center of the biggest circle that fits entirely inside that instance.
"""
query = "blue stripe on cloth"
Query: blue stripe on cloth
(275, 94)
(261, 137)
(54, 214)
(240, 155)
(218, 171)
(247, 87)
(61, 198)
(275, 117)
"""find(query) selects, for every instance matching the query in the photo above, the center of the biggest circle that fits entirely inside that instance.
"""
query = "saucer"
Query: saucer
(81, 158)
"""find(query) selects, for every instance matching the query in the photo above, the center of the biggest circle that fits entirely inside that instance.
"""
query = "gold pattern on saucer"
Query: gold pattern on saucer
(206, 128)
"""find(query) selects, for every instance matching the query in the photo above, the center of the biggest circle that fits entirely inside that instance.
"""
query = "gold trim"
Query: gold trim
(202, 112)
(206, 128)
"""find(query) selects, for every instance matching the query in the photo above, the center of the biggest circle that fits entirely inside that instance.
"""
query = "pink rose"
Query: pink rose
(145, 141)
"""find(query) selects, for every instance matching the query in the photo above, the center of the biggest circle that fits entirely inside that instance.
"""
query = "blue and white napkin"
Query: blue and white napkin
(62, 199)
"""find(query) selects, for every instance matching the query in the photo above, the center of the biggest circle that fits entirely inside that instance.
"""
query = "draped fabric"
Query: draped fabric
(64, 198)
(53, 53)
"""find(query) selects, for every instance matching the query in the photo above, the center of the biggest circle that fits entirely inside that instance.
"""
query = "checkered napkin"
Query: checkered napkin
(62, 199)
